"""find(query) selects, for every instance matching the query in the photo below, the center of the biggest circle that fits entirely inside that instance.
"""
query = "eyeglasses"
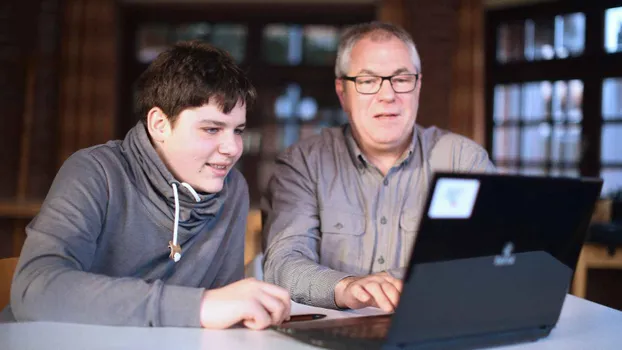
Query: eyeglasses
(370, 84)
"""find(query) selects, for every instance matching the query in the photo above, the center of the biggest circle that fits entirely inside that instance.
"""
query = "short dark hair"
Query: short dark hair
(192, 74)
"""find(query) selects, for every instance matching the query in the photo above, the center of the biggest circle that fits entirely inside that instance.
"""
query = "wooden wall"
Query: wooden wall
(57, 87)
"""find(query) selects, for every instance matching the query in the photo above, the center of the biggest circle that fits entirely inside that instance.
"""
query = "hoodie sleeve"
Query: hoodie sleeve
(52, 282)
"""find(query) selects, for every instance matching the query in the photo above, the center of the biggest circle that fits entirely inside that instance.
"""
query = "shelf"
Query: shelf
(19, 209)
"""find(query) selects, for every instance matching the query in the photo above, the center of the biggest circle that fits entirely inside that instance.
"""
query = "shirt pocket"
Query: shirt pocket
(342, 240)
(409, 222)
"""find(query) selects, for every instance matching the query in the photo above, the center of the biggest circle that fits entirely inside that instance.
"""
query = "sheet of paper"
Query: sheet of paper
(301, 309)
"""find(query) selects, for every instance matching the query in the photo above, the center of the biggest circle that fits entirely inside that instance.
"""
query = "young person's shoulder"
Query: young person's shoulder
(96, 158)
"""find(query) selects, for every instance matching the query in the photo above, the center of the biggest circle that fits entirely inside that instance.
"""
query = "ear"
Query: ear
(158, 125)
(340, 90)
(418, 89)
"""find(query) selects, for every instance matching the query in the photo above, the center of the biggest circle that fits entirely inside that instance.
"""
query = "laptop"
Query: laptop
(491, 265)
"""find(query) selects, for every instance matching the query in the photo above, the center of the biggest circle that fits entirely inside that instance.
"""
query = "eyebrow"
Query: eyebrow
(219, 123)
(395, 72)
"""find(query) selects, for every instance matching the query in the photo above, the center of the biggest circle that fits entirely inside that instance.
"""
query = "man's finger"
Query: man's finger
(391, 292)
(360, 293)
(398, 283)
(378, 294)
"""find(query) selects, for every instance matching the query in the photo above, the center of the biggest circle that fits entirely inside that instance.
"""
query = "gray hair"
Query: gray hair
(377, 30)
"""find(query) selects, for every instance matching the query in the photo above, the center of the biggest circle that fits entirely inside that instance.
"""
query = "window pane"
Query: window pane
(535, 104)
(612, 98)
(278, 137)
(510, 42)
(506, 103)
(612, 180)
(539, 39)
(288, 135)
(320, 45)
(613, 30)
(566, 145)
(505, 143)
(232, 38)
(573, 172)
(567, 100)
(507, 170)
(535, 142)
(569, 35)
(535, 171)
(192, 31)
(282, 44)
(611, 143)
(151, 40)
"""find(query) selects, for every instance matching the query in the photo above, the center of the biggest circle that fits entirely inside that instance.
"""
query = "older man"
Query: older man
(342, 208)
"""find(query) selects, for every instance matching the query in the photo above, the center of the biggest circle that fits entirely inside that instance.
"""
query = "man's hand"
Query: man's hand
(379, 290)
(256, 304)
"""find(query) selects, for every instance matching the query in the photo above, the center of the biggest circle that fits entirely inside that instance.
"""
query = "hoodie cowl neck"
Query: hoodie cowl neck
(155, 181)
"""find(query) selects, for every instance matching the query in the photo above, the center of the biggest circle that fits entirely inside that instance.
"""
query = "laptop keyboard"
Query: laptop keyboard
(376, 329)
(372, 328)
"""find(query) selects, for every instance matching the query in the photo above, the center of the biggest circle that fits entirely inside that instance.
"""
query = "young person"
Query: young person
(149, 231)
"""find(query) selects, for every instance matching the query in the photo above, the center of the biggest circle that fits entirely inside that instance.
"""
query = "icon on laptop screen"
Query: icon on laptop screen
(453, 198)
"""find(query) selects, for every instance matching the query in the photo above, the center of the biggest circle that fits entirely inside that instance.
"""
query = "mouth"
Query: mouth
(219, 168)
(386, 115)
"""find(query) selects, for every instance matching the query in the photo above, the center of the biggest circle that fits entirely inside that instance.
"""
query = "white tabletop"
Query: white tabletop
(582, 325)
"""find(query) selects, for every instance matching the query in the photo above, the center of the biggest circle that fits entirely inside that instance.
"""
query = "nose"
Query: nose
(386, 92)
(229, 145)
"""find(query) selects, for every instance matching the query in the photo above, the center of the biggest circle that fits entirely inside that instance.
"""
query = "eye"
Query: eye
(211, 130)
(366, 81)
(239, 131)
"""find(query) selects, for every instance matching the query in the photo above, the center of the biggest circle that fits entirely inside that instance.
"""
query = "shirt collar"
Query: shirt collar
(359, 158)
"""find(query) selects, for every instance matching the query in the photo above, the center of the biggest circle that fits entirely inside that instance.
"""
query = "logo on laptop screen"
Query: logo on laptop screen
(453, 198)
(506, 258)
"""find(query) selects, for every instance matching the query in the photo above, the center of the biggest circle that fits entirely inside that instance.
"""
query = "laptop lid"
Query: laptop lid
(494, 253)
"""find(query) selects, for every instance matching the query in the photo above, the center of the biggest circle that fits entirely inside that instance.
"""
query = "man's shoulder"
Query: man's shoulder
(328, 141)
(437, 141)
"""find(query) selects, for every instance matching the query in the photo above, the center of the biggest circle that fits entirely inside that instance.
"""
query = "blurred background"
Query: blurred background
(537, 83)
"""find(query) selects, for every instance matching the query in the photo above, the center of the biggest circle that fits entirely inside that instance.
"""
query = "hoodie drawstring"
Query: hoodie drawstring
(172, 245)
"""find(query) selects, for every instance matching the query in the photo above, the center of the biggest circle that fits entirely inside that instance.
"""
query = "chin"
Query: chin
(212, 186)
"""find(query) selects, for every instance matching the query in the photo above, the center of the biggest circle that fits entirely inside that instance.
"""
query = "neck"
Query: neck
(385, 159)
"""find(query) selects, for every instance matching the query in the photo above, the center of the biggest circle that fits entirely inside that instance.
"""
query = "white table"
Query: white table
(582, 325)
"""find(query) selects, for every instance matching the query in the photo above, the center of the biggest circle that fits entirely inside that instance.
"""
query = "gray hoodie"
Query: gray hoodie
(97, 252)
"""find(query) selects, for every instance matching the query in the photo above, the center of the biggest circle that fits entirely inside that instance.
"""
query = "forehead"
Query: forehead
(380, 54)
(211, 113)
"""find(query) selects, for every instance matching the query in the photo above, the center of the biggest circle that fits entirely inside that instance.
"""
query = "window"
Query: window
(153, 38)
(554, 98)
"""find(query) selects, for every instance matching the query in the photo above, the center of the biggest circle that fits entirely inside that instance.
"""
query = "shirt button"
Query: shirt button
(380, 260)
(383, 220)
(386, 182)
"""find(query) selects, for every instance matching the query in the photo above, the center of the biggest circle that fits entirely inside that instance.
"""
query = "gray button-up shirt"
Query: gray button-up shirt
(331, 214)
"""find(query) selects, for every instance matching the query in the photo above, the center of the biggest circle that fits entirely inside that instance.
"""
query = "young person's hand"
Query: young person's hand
(380, 290)
(254, 303)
